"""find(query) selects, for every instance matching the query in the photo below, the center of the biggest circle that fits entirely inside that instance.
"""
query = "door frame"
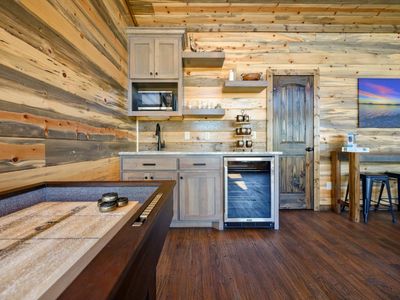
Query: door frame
(316, 110)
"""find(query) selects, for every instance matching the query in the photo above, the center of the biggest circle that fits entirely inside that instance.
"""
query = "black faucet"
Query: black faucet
(160, 142)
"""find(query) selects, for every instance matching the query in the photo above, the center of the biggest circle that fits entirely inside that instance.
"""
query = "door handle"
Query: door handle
(310, 149)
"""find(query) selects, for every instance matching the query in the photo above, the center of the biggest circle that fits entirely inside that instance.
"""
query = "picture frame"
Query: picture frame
(379, 102)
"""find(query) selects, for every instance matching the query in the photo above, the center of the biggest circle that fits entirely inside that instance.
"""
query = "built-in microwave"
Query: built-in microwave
(155, 100)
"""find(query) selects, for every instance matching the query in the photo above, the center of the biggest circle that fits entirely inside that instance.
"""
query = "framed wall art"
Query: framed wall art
(379, 103)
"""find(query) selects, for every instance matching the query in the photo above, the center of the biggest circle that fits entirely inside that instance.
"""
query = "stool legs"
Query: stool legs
(380, 196)
(363, 195)
(398, 194)
(387, 184)
(367, 186)
(367, 198)
(345, 199)
(390, 201)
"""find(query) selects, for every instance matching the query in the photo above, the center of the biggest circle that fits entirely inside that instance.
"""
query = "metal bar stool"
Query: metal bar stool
(367, 181)
(396, 176)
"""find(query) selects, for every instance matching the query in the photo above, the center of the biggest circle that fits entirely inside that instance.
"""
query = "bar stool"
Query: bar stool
(367, 181)
(396, 176)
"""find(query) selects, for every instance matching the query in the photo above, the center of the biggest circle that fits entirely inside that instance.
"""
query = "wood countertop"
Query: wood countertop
(45, 246)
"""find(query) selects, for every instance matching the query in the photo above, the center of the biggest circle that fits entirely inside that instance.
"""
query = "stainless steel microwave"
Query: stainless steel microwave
(155, 100)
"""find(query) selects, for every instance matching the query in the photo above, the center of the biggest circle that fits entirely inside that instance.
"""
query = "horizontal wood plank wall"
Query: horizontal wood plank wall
(340, 58)
(63, 78)
(98, 170)
(273, 15)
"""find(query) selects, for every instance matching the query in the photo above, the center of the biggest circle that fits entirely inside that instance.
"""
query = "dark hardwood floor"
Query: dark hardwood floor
(313, 256)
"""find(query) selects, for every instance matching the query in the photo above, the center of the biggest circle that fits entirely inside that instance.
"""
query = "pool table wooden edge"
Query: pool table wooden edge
(126, 267)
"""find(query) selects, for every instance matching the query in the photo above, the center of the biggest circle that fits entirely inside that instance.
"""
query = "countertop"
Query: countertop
(272, 153)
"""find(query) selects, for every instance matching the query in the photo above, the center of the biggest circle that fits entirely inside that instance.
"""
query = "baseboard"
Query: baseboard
(196, 224)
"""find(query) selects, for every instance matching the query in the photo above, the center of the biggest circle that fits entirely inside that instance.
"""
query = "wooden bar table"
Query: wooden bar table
(354, 159)
(354, 186)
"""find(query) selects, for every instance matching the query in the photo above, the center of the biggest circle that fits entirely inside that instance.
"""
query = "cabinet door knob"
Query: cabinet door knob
(156, 73)
(151, 73)
(145, 177)
(181, 177)
(151, 177)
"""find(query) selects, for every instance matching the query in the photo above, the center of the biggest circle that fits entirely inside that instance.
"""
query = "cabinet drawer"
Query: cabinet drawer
(200, 162)
(127, 176)
(137, 163)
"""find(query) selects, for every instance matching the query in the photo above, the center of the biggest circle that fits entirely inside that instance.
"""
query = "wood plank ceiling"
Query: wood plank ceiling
(259, 15)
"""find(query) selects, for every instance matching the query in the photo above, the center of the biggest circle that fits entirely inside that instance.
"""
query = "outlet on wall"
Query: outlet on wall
(187, 135)
(328, 185)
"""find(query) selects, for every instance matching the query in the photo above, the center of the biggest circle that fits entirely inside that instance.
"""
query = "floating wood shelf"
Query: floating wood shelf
(203, 59)
(244, 86)
(211, 112)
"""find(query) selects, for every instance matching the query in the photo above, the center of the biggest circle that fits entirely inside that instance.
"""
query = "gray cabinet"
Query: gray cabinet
(149, 163)
(141, 58)
(198, 190)
(166, 58)
(156, 175)
(154, 58)
(200, 195)
(155, 87)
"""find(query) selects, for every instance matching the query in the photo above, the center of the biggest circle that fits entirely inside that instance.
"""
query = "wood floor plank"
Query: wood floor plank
(315, 255)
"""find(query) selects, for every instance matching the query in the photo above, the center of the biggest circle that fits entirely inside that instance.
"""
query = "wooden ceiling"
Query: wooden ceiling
(259, 15)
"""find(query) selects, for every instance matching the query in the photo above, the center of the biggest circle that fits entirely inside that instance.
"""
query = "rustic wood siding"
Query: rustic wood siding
(272, 15)
(340, 58)
(63, 78)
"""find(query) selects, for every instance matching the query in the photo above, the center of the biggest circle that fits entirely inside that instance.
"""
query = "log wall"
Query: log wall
(63, 79)
(339, 58)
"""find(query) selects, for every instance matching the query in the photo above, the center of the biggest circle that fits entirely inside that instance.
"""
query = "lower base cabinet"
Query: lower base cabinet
(200, 194)
(156, 175)
(198, 190)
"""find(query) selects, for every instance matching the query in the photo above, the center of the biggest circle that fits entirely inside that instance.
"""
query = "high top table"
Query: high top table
(354, 160)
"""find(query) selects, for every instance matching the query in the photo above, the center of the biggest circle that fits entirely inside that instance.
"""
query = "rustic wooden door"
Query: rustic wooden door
(293, 135)
(141, 58)
(166, 64)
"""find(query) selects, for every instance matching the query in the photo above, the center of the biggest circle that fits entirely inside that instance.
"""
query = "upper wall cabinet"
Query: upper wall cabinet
(154, 58)
(155, 71)
(141, 58)
(166, 58)
(155, 53)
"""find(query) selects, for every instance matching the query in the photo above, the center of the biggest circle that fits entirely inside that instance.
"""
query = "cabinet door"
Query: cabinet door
(159, 175)
(156, 175)
(200, 195)
(141, 58)
(166, 58)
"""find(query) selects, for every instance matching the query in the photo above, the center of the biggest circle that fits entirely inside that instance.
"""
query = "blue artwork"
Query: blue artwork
(379, 102)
